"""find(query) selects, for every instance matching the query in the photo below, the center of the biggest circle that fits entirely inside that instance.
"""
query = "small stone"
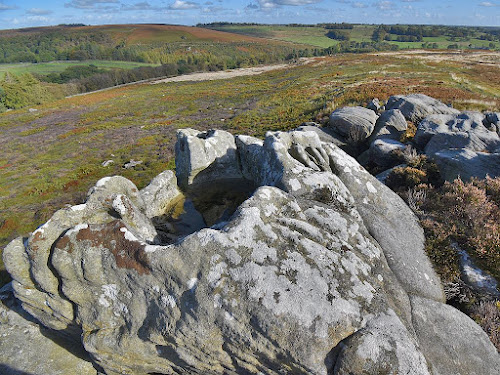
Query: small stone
(132, 164)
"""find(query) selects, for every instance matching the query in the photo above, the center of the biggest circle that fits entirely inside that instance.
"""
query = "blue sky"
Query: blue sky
(24, 13)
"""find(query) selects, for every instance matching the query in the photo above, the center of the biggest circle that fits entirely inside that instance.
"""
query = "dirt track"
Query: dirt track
(211, 76)
(208, 76)
(225, 74)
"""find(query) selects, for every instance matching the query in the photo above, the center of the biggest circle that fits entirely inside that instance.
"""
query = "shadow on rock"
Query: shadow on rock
(7, 370)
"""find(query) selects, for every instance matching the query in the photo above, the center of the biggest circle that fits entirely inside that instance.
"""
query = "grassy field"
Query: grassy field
(313, 36)
(59, 66)
(316, 36)
(52, 156)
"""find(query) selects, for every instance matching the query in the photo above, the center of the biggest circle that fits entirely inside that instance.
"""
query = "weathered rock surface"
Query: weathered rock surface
(321, 270)
(374, 105)
(416, 107)
(467, 163)
(465, 130)
(390, 125)
(492, 121)
(196, 151)
(444, 333)
(327, 134)
(386, 152)
(354, 123)
(26, 347)
(160, 194)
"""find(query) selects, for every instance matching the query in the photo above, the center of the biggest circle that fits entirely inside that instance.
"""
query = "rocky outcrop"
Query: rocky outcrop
(466, 164)
(320, 270)
(374, 105)
(354, 123)
(386, 152)
(196, 151)
(415, 107)
(390, 125)
(463, 144)
(492, 121)
(465, 130)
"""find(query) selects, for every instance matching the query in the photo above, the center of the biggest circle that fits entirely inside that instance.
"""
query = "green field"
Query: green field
(313, 36)
(58, 66)
(316, 36)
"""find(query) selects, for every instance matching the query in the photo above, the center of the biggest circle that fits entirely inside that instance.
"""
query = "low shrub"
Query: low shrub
(460, 213)
(419, 170)
(487, 315)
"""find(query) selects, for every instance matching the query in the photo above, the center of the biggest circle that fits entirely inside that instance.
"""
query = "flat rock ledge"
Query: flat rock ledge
(293, 260)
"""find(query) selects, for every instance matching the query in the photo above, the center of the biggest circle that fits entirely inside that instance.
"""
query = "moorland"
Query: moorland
(55, 146)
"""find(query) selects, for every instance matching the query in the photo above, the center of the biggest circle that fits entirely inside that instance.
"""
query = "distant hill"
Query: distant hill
(145, 43)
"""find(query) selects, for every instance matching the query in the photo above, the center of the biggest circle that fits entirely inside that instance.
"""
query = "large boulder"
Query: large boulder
(444, 333)
(465, 163)
(473, 141)
(390, 125)
(386, 152)
(460, 144)
(465, 130)
(354, 123)
(374, 105)
(159, 195)
(196, 151)
(417, 106)
(327, 134)
(315, 273)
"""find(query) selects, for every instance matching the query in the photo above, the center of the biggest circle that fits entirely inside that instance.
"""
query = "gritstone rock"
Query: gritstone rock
(320, 270)
(466, 163)
(374, 105)
(384, 152)
(417, 106)
(390, 125)
(29, 348)
(465, 130)
(354, 123)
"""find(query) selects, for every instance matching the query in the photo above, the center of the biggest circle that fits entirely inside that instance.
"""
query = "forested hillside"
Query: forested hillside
(156, 44)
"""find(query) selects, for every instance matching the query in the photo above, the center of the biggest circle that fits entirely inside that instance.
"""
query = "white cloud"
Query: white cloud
(213, 9)
(183, 5)
(139, 6)
(269, 4)
(39, 12)
(38, 19)
(384, 5)
(359, 5)
(87, 4)
(6, 7)
(487, 4)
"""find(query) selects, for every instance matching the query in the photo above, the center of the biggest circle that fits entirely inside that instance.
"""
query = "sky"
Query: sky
(27, 13)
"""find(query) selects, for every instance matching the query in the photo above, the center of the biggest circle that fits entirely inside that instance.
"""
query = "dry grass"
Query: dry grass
(487, 315)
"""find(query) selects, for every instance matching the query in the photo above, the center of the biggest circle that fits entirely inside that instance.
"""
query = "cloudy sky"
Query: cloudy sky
(23, 13)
